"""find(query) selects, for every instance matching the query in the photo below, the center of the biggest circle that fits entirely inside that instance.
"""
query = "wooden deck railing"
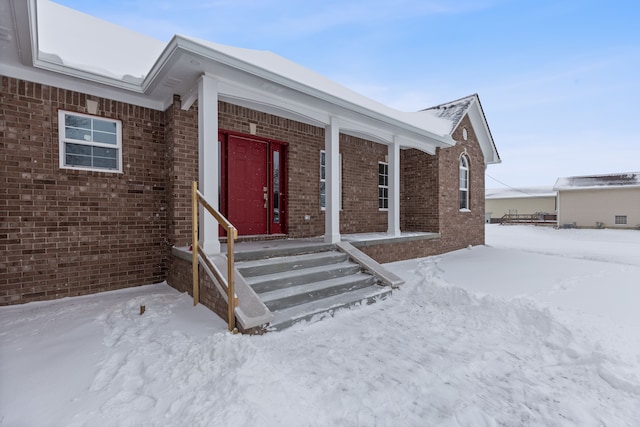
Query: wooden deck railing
(198, 255)
(537, 218)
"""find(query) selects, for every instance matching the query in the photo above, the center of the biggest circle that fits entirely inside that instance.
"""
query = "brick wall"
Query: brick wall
(360, 213)
(460, 229)
(181, 134)
(436, 178)
(419, 191)
(71, 232)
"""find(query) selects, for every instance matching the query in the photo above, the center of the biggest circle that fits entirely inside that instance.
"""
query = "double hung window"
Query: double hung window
(89, 142)
(464, 183)
(323, 180)
(383, 186)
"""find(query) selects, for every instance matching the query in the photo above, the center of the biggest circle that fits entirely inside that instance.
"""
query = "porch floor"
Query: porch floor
(253, 244)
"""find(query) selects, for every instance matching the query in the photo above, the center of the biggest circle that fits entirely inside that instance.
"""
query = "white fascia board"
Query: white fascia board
(598, 187)
(53, 79)
(49, 65)
(483, 134)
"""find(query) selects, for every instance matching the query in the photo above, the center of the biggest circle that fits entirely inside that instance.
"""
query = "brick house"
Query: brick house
(99, 152)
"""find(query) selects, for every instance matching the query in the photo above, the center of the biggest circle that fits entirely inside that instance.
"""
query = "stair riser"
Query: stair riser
(279, 267)
(327, 313)
(318, 294)
(281, 252)
(280, 283)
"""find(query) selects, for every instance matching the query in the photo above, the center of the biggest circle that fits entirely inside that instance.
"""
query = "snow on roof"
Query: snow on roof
(519, 193)
(99, 47)
(91, 44)
(452, 111)
(630, 179)
(290, 70)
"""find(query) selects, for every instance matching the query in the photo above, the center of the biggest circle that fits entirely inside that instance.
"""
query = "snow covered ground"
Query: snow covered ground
(538, 328)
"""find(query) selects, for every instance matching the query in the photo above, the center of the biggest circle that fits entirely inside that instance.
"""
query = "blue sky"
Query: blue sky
(559, 80)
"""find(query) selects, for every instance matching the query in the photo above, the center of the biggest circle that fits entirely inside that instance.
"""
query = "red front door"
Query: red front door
(253, 195)
(248, 185)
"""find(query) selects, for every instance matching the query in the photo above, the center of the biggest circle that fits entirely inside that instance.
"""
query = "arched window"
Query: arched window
(464, 183)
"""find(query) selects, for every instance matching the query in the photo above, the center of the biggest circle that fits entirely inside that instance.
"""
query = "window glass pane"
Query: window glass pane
(104, 126)
(105, 152)
(463, 200)
(78, 149)
(77, 122)
(105, 138)
(101, 162)
(81, 134)
(276, 187)
(76, 160)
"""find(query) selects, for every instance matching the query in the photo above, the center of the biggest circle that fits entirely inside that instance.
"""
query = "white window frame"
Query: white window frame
(64, 140)
(463, 166)
(383, 187)
(323, 166)
(621, 220)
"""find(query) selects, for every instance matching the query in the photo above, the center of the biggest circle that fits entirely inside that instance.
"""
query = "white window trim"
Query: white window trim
(323, 208)
(383, 186)
(62, 141)
(460, 187)
(617, 220)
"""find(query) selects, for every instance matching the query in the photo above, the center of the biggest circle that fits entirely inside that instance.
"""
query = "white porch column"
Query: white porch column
(208, 159)
(393, 214)
(332, 186)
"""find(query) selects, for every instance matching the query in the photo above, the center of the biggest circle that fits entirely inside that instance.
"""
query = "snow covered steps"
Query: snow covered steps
(308, 283)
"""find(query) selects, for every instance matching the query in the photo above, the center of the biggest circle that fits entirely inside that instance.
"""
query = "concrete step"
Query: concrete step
(319, 309)
(289, 263)
(282, 251)
(270, 282)
(295, 295)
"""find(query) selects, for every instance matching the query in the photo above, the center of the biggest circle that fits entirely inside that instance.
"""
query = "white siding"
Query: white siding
(588, 207)
(524, 205)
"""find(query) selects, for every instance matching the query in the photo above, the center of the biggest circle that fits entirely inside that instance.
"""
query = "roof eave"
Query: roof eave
(179, 44)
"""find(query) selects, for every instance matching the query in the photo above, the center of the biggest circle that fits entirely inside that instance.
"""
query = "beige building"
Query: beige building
(611, 201)
(519, 201)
